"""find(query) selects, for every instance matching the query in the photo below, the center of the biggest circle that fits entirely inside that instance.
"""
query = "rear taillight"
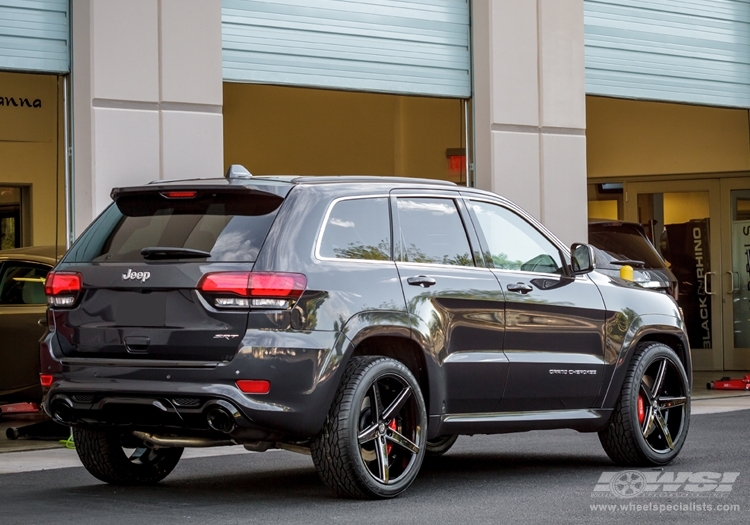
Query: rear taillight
(46, 380)
(62, 288)
(256, 289)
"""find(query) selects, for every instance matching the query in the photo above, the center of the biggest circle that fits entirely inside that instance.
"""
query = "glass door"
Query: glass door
(683, 219)
(735, 200)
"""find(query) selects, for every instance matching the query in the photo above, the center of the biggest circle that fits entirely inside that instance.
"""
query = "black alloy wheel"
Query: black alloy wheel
(373, 442)
(652, 417)
(121, 459)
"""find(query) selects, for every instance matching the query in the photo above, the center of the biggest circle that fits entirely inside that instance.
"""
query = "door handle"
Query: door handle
(733, 288)
(421, 280)
(705, 283)
(521, 288)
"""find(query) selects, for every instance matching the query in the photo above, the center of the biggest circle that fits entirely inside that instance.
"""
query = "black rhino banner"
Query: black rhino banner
(690, 257)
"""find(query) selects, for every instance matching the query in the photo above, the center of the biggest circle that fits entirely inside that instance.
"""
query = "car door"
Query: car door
(22, 305)
(554, 330)
(455, 303)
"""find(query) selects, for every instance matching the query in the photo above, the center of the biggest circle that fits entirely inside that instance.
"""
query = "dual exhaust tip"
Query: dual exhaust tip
(220, 415)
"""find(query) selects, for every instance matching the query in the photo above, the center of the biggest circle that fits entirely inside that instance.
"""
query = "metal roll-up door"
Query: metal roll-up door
(394, 46)
(695, 51)
(34, 35)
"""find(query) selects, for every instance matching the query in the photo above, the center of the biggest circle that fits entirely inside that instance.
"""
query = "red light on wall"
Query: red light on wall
(456, 158)
(457, 162)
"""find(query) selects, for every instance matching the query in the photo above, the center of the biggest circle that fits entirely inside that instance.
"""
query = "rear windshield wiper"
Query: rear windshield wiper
(170, 252)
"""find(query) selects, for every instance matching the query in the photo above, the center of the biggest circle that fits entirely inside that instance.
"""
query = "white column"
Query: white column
(529, 93)
(147, 95)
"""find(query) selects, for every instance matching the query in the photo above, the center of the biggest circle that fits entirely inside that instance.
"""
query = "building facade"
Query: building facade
(633, 110)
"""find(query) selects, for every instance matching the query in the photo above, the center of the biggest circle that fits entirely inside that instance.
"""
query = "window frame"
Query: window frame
(536, 225)
(327, 216)
(463, 214)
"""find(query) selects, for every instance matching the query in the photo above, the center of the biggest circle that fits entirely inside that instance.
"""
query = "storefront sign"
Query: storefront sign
(20, 102)
(690, 256)
(28, 108)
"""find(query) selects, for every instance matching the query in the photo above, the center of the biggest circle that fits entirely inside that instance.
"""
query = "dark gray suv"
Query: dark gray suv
(367, 321)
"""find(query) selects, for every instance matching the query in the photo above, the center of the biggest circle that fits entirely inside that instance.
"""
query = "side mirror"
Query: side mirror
(581, 258)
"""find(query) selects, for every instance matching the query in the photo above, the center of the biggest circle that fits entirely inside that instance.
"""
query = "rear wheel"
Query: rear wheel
(373, 441)
(440, 445)
(105, 456)
(652, 416)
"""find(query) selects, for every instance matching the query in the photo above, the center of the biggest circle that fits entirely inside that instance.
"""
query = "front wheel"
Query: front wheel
(373, 441)
(650, 422)
(104, 456)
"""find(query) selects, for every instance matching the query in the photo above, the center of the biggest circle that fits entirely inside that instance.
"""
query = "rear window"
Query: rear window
(623, 243)
(358, 229)
(231, 226)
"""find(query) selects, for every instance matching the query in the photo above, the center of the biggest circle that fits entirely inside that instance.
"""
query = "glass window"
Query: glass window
(23, 283)
(231, 226)
(513, 243)
(358, 229)
(432, 232)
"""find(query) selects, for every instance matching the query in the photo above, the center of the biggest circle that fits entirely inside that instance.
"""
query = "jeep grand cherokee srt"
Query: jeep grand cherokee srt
(367, 321)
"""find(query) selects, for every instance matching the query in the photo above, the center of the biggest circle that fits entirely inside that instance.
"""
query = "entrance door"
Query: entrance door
(735, 254)
(702, 228)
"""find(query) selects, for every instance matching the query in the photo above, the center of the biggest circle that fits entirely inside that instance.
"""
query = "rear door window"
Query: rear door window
(357, 229)
(231, 226)
(432, 232)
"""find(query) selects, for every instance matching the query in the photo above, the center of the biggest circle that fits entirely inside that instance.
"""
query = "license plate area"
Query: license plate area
(141, 309)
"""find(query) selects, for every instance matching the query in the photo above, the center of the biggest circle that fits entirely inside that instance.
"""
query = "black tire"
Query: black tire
(103, 455)
(440, 445)
(373, 441)
(654, 434)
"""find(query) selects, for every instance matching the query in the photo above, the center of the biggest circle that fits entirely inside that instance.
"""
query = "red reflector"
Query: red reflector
(255, 284)
(46, 379)
(254, 386)
(267, 284)
(62, 283)
(179, 194)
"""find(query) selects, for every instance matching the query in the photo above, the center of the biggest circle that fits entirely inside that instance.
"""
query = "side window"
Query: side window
(513, 243)
(358, 229)
(22, 283)
(432, 232)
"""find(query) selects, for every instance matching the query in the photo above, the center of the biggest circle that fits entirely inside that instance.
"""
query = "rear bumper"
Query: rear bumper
(178, 397)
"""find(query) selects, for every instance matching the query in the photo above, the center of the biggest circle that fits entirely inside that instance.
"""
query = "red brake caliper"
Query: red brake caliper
(392, 426)
(641, 409)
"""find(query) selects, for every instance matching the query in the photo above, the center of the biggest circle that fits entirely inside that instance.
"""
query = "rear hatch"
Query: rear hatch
(140, 263)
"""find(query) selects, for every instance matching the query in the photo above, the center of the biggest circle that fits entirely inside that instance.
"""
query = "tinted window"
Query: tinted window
(625, 242)
(432, 232)
(358, 229)
(513, 243)
(231, 226)
(22, 283)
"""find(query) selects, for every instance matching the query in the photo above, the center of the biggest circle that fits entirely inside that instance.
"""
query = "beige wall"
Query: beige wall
(629, 138)
(146, 95)
(529, 112)
(31, 151)
(283, 130)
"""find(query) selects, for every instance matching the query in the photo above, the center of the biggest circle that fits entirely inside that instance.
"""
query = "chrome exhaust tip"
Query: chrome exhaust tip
(61, 410)
(220, 416)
